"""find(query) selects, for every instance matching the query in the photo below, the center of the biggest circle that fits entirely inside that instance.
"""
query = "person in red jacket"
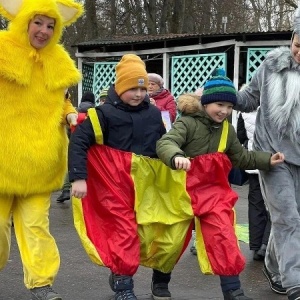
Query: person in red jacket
(161, 97)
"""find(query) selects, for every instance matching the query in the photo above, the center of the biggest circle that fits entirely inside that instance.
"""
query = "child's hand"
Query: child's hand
(277, 158)
(152, 101)
(79, 188)
(72, 119)
(182, 163)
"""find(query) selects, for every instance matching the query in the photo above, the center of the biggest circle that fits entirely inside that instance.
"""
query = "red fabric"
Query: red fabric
(212, 203)
(166, 101)
(81, 117)
(109, 209)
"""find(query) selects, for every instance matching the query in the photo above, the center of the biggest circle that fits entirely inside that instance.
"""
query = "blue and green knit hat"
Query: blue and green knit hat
(219, 88)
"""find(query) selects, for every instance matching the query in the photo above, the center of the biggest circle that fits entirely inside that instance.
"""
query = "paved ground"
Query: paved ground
(80, 279)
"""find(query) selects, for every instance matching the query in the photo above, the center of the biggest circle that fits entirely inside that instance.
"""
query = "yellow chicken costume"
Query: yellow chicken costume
(34, 142)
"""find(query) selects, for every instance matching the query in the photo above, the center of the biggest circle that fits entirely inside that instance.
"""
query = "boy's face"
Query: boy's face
(134, 97)
(40, 31)
(295, 48)
(219, 111)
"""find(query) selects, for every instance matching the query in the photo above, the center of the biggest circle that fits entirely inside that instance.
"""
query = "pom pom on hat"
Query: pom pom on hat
(218, 72)
(130, 73)
(156, 78)
(219, 89)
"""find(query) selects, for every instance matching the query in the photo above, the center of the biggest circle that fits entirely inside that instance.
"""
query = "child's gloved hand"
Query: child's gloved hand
(79, 188)
(182, 163)
(72, 119)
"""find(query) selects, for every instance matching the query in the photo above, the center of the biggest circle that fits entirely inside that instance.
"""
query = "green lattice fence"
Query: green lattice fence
(104, 76)
(97, 76)
(87, 77)
(255, 57)
(190, 72)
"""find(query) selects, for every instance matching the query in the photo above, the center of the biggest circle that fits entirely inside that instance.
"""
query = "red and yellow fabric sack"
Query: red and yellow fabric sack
(140, 212)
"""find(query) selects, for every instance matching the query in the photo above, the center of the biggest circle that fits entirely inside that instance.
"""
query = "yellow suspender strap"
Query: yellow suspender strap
(224, 136)
(96, 125)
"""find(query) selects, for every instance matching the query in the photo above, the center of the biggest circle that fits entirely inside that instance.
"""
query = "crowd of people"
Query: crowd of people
(127, 118)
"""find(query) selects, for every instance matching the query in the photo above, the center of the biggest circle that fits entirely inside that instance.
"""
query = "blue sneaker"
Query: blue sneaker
(122, 285)
(125, 295)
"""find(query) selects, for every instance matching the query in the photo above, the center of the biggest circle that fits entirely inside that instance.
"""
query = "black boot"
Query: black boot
(235, 295)
(65, 195)
(159, 285)
(294, 294)
(260, 253)
(274, 281)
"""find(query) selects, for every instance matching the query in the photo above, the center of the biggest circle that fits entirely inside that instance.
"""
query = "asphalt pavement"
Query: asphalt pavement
(80, 279)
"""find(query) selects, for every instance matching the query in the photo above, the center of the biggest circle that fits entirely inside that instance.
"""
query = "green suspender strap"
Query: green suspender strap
(96, 125)
(224, 136)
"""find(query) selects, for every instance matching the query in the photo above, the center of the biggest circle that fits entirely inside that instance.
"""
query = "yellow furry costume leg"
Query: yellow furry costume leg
(5, 228)
(39, 253)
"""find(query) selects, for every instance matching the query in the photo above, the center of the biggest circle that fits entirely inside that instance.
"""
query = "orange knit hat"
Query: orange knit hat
(130, 73)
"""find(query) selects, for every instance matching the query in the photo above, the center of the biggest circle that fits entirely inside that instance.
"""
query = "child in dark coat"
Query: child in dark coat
(129, 123)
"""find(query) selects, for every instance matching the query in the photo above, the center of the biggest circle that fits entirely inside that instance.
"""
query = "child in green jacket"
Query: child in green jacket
(198, 132)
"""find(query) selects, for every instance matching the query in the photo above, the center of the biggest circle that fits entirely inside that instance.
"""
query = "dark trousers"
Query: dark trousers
(230, 283)
(67, 184)
(259, 219)
(160, 277)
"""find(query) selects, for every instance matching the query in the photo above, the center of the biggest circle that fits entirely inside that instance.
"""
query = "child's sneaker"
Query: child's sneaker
(235, 295)
(122, 285)
(111, 281)
(125, 295)
(160, 291)
(44, 293)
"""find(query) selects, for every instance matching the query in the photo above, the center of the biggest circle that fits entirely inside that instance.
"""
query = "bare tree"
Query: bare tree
(150, 13)
(165, 11)
(113, 17)
(130, 17)
(91, 23)
(177, 16)
(291, 3)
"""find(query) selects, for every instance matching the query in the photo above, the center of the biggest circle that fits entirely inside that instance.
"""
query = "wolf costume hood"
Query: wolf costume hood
(275, 87)
(284, 92)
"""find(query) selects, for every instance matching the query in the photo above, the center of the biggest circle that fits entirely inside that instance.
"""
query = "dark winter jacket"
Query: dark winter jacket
(129, 128)
(241, 131)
